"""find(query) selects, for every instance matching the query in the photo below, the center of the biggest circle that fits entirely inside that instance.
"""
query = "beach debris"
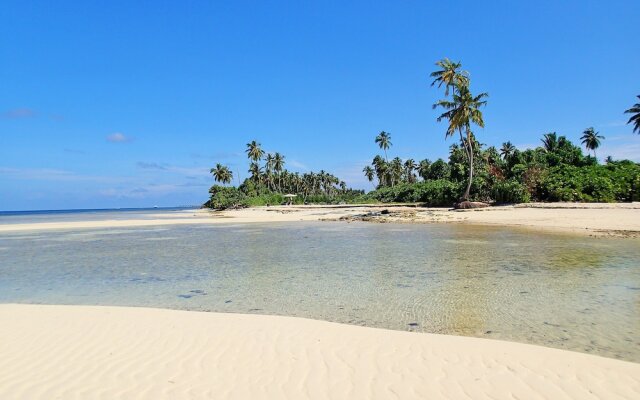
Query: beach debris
(467, 205)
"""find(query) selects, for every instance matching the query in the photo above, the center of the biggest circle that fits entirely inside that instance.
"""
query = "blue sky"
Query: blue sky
(129, 104)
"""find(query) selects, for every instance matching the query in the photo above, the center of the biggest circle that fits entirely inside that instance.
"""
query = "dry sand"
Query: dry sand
(87, 352)
(590, 219)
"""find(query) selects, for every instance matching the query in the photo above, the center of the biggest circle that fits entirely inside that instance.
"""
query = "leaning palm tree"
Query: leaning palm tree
(384, 141)
(507, 150)
(221, 173)
(462, 111)
(635, 116)
(550, 142)
(591, 140)
(369, 173)
(449, 75)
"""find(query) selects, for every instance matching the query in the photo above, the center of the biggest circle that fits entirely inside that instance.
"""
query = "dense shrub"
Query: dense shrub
(439, 192)
(223, 197)
(510, 191)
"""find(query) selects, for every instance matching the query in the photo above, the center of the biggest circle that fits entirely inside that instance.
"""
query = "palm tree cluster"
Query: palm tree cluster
(267, 174)
(390, 173)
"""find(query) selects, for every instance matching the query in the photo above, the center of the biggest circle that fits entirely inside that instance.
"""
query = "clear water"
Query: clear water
(563, 291)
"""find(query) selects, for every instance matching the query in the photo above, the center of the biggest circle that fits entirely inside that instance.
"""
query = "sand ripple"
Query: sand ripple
(79, 352)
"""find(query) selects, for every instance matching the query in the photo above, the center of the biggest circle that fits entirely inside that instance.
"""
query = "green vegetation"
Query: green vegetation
(555, 171)
(269, 181)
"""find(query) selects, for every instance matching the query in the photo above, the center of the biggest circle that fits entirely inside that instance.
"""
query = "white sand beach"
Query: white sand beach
(617, 219)
(87, 352)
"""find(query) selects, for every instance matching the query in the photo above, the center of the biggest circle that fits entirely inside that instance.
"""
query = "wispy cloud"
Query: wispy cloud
(174, 169)
(51, 174)
(18, 113)
(613, 124)
(299, 165)
(74, 151)
(621, 148)
(118, 137)
(151, 165)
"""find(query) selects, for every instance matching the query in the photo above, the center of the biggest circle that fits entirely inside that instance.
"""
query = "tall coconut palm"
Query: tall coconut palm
(381, 168)
(384, 141)
(410, 166)
(591, 140)
(550, 141)
(423, 168)
(255, 171)
(369, 173)
(221, 173)
(395, 170)
(462, 111)
(254, 151)
(507, 150)
(635, 117)
(450, 75)
(278, 166)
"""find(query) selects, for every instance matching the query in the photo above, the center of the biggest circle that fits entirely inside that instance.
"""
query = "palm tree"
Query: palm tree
(591, 140)
(635, 116)
(507, 150)
(550, 142)
(381, 168)
(278, 166)
(461, 112)
(221, 173)
(384, 141)
(254, 152)
(255, 171)
(395, 170)
(423, 168)
(369, 173)
(449, 75)
(410, 166)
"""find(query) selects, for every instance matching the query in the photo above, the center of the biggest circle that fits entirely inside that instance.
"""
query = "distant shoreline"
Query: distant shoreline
(592, 219)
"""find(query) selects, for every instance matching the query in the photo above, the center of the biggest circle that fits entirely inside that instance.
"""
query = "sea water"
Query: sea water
(558, 290)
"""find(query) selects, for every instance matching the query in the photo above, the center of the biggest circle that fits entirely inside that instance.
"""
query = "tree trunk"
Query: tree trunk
(466, 192)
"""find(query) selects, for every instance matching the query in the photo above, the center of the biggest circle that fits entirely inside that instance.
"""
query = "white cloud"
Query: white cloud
(118, 137)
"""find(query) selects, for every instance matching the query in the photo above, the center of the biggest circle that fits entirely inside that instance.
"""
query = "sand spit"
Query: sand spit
(620, 219)
(87, 352)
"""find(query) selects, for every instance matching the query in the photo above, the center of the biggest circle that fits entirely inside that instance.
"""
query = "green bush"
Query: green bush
(223, 197)
(439, 192)
(510, 191)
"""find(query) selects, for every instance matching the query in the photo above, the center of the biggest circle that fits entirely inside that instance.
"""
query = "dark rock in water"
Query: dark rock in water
(467, 205)
(384, 212)
(185, 296)
(413, 324)
(227, 302)
(198, 291)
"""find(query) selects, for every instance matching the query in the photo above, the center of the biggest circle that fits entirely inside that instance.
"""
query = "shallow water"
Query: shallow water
(563, 291)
